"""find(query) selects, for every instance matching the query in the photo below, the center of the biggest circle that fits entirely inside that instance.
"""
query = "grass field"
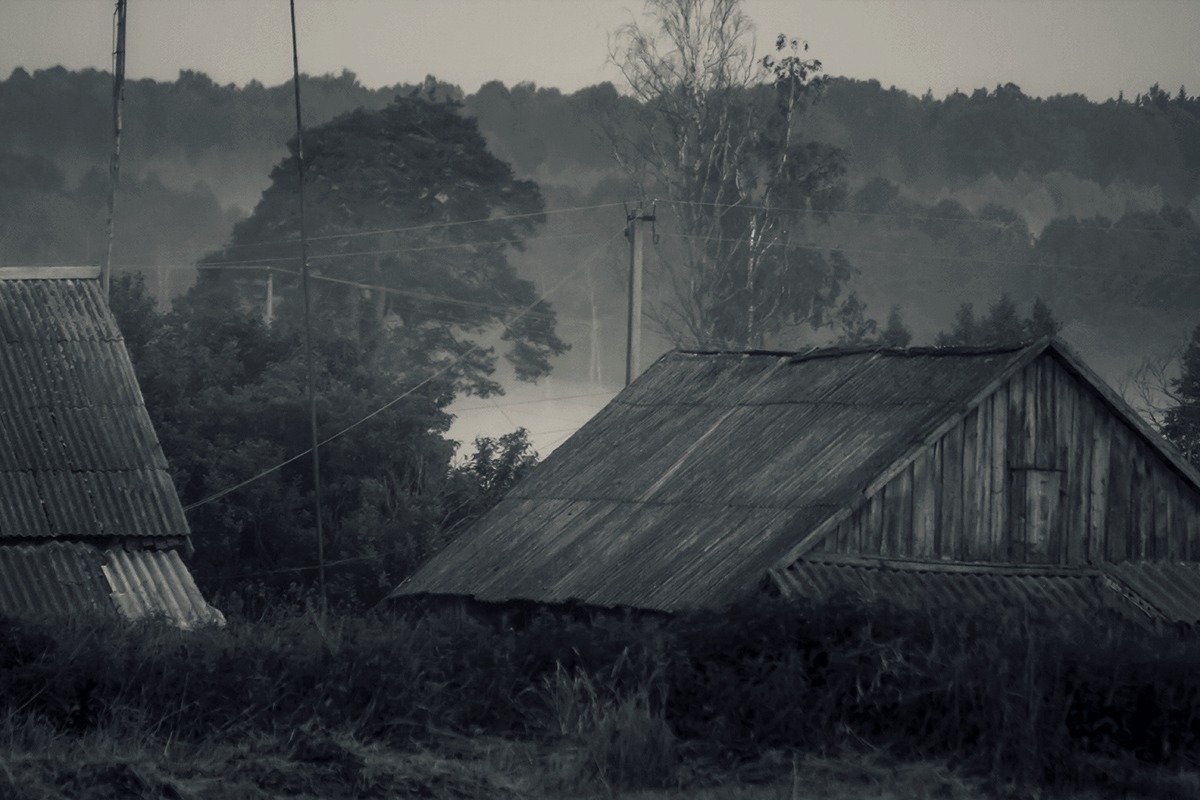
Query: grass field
(770, 701)
(40, 764)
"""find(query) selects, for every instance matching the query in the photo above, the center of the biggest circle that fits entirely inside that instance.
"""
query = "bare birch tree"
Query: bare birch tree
(717, 141)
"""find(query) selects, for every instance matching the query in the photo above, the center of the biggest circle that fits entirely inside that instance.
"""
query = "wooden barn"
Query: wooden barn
(1008, 475)
(89, 520)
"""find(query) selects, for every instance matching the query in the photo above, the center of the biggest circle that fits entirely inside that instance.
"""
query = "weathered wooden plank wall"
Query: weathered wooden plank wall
(1042, 471)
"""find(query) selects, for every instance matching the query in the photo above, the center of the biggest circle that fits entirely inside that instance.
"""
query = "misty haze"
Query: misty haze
(663, 398)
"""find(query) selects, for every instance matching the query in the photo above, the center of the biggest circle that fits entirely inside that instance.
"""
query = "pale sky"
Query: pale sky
(1096, 47)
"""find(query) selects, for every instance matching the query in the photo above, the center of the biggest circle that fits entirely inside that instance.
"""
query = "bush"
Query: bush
(1000, 695)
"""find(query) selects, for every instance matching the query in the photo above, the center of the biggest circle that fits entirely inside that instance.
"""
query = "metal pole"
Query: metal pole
(633, 337)
(308, 355)
(269, 311)
(114, 162)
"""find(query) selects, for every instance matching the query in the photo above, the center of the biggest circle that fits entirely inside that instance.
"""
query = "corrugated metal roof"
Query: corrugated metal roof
(68, 578)
(1142, 591)
(703, 474)
(1172, 590)
(78, 454)
(1054, 593)
(53, 578)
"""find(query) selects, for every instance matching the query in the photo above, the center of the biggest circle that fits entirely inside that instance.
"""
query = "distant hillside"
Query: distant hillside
(951, 199)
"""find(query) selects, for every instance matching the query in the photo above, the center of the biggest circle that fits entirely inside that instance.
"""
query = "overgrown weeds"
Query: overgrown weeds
(634, 699)
(623, 738)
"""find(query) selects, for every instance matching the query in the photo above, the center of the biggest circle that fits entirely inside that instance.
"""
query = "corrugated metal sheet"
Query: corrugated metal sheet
(70, 578)
(1172, 590)
(52, 579)
(702, 475)
(1143, 591)
(78, 454)
(1049, 592)
(150, 582)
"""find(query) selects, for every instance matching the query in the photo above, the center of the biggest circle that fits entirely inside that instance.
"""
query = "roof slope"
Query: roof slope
(1143, 592)
(1051, 592)
(76, 578)
(706, 472)
(78, 454)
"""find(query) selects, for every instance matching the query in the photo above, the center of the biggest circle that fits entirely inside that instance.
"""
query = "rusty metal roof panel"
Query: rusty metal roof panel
(688, 486)
(1172, 589)
(1054, 592)
(78, 453)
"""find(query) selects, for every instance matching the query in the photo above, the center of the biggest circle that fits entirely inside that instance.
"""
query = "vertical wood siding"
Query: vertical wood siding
(1041, 471)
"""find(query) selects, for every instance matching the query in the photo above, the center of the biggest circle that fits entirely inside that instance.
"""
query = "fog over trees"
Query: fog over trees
(1090, 206)
(793, 209)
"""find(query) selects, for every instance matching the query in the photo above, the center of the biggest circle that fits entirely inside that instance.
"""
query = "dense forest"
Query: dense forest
(1090, 206)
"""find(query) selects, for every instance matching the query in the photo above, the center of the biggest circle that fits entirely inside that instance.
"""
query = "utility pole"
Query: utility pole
(633, 337)
(314, 441)
(269, 311)
(114, 162)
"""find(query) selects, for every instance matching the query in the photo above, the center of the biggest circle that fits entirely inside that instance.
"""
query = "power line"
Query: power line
(251, 262)
(446, 368)
(914, 217)
(820, 246)
(535, 402)
(431, 225)
(433, 298)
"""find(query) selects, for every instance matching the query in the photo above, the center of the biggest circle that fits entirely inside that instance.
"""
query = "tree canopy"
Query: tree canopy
(408, 206)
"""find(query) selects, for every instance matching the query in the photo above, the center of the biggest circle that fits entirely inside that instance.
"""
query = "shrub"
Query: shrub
(1002, 694)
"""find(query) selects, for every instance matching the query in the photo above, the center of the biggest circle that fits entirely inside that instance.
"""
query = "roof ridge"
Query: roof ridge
(43, 273)
(835, 351)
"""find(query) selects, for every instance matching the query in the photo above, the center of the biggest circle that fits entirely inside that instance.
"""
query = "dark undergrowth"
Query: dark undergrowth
(639, 701)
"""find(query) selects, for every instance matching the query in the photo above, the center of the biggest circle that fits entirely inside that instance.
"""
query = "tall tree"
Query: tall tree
(1002, 325)
(224, 392)
(718, 135)
(1181, 420)
(407, 200)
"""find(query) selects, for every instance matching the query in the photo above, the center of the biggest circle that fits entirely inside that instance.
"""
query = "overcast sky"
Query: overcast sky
(1096, 47)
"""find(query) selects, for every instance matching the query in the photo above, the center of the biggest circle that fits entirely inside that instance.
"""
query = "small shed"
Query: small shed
(927, 475)
(89, 519)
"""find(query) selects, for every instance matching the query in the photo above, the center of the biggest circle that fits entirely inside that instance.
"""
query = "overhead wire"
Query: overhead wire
(432, 225)
(423, 382)
(251, 262)
(826, 246)
(916, 217)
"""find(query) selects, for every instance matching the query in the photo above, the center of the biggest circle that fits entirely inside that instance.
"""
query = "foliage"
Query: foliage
(1181, 417)
(44, 219)
(1003, 693)
(226, 389)
(421, 164)
(856, 328)
(483, 478)
(717, 132)
(1002, 325)
(226, 395)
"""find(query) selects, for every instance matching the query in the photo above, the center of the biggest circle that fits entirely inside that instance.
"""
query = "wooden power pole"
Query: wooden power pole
(633, 337)
(114, 162)
(308, 354)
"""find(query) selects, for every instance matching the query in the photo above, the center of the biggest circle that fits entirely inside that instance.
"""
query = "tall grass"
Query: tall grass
(999, 694)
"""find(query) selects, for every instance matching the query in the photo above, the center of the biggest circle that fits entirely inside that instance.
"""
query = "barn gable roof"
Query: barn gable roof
(715, 468)
(79, 458)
